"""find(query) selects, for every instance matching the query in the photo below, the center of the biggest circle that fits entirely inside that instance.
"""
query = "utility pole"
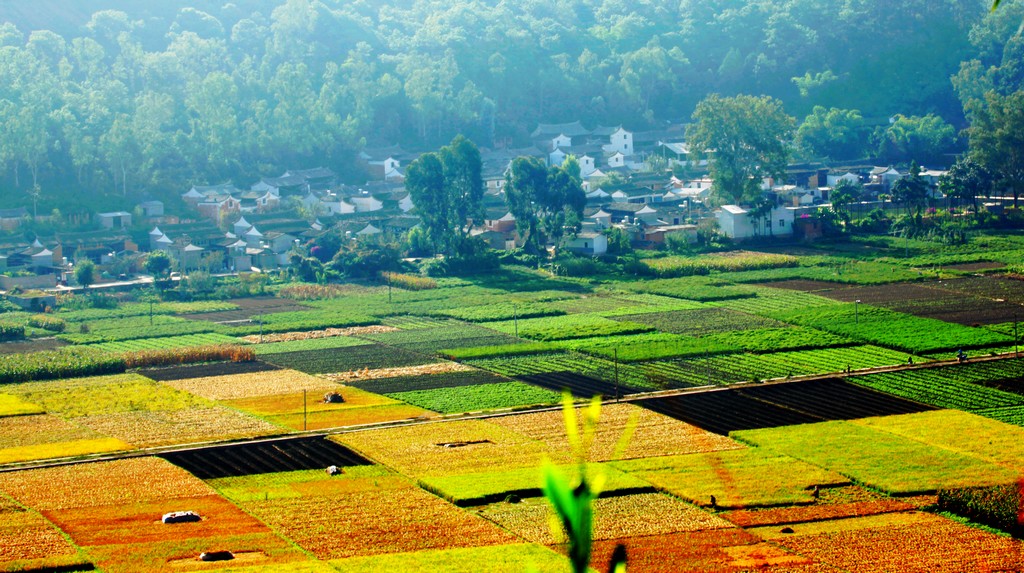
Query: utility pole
(303, 409)
(616, 355)
(515, 318)
(261, 327)
(389, 287)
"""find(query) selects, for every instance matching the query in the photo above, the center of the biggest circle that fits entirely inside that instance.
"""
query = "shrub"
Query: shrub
(45, 322)
(996, 506)
(11, 331)
(173, 356)
(408, 282)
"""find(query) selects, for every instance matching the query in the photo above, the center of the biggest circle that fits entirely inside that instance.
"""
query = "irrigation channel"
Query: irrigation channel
(719, 409)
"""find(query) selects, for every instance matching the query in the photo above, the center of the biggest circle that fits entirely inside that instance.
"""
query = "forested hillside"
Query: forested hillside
(125, 97)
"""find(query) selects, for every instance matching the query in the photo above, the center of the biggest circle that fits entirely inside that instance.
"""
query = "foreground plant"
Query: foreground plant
(572, 502)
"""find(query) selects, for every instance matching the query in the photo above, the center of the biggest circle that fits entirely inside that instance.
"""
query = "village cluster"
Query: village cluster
(628, 179)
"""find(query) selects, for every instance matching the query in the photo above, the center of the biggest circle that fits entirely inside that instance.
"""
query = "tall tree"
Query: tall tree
(997, 140)
(526, 180)
(424, 179)
(464, 185)
(745, 139)
(545, 202)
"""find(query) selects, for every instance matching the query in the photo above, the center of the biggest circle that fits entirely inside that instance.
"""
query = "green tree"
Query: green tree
(158, 264)
(545, 202)
(911, 191)
(85, 273)
(745, 138)
(526, 181)
(997, 140)
(833, 133)
(844, 193)
(915, 138)
(424, 179)
(463, 186)
(965, 181)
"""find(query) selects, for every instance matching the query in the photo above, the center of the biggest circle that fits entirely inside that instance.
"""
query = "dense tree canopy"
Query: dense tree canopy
(546, 202)
(151, 96)
(997, 141)
(744, 139)
(447, 189)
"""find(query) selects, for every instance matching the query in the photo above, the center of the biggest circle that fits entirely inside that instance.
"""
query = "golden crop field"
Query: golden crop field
(104, 395)
(390, 516)
(15, 406)
(652, 434)
(259, 550)
(350, 417)
(615, 517)
(149, 429)
(293, 402)
(900, 542)
(27, 536)
(41, 429)
(450, 448)
(379, 373)
(131, 480)
(249, 385)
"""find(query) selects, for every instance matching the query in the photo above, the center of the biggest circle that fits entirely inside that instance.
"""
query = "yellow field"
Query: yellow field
(70, 449)
(40, 429)
(133, 480)
(261, 550)
(15, 406)
(351, 417)
(149, 429)
(615, 517)
(653, 434)
(269, 383)
(103, 395)
(292, 403)
(27, 536)
(421, 450)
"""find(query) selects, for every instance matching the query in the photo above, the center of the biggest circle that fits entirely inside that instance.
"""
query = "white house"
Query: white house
(337, 205)
(834, 179)
(735, 222)
(591, 244)
(366, 203)
(618, 139)
(587, 165)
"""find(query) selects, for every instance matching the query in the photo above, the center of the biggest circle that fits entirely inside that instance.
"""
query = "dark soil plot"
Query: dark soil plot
(429, 381)
(248, 308)
(580, 386)
(30, 346)
(207, 370)
(701, 321)
(833, 399)
(1005, 288)
(930, 301)
(265, 457)
(371, 356)
(724, 411)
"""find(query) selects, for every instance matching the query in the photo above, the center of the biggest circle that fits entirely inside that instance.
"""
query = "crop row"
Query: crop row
(430, 381)
(647, 346)
(773, 300)
(367, 356)
(696, 288)
(139, 331)
(500, 311)
(703, 321)
(478, 397)
(741, 367)
(302, 320)
(323, 343)
(734, 262)
(568, 327)
(63, 363)
(449, 334)
(940, 387)
(893, 329)
(144, 309)
(166, 342)
(575, 363)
